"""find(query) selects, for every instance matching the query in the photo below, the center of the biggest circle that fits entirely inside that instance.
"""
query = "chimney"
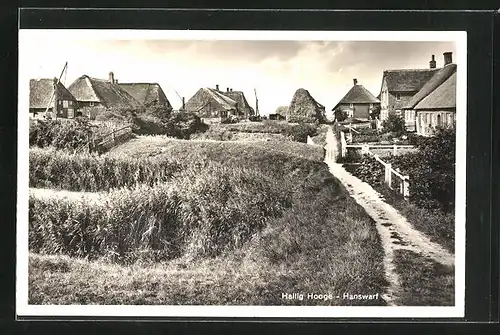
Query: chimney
(111, 77)
(432, 63)
(227, 89)
(448, 58)
(217, 87)
(55, 81)
(116, 81)
(355, 81)
(231, 89)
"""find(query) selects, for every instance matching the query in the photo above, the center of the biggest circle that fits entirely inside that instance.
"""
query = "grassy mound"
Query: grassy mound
(323, 246)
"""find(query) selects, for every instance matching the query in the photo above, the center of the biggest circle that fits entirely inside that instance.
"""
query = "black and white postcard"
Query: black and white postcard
(311, 174)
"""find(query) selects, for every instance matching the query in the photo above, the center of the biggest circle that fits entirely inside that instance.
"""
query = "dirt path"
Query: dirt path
(50, 193)
(394, 230)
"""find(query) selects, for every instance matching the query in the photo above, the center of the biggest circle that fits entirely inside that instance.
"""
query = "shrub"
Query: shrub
(340, 115)
(61, 134)
(178, 125)
(300, 132)
(394, 123)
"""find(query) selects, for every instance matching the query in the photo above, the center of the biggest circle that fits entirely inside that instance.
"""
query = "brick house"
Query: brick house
(398, 88)
(358, 103)
(434, 106)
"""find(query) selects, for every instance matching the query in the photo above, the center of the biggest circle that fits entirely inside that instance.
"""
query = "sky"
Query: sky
(275, 69)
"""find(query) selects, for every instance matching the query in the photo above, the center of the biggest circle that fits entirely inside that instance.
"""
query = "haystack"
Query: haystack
(305, 108)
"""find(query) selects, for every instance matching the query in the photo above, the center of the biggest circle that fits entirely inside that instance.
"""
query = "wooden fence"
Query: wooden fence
(113, 138)
(389, 172)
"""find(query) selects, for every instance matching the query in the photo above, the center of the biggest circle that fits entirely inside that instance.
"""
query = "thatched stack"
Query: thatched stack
(304, 108)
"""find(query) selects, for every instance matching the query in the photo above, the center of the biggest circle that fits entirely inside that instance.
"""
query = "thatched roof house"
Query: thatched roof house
(242, 103)
(304, 107)
(400, 85)
(358, 102)
(63, 103)
(147, 94)
(435, 103)
(214, 104)
(92, 92)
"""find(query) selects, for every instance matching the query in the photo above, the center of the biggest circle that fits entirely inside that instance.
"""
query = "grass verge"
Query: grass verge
(423, 281)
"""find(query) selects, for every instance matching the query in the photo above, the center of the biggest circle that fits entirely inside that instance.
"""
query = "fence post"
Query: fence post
(364, 149)
(395, 150)
(388, 174)
(343, 144)
(406, 187)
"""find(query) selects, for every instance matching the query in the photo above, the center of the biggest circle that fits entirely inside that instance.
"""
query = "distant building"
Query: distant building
(434, 105)
(104, 94)
(213, 105)
(147, 94)
(358, 103)
(52, 94)
(399, 86)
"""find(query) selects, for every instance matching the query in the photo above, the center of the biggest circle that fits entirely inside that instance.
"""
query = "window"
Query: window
(439, 121)
(371, 106)
(91, 104)
(71, 103)
(398, 96)
(59, 102)
(351, 105)
(65, 103)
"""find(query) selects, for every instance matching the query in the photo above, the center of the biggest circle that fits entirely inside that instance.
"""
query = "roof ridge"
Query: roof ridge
(394, 70)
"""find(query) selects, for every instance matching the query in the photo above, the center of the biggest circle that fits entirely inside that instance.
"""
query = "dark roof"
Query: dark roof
(41, 91)
(443, 97)
(437, 79)
(109, 94)
(407, 80)
(146, 93)
(239, 97)
(357, 95)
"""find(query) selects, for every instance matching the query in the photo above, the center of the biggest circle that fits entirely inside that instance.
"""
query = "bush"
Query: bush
(179, 125)
(431, 170)
(300, 132)
(394, 123)
(61, 134)
(340, 115)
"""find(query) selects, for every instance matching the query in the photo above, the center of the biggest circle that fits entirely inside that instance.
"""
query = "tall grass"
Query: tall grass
(157, 164)
(87, 172)
(199, 212)
(323, 243)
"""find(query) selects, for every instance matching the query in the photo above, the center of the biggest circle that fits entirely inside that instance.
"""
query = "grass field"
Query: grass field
(423, 281)
(239, 223)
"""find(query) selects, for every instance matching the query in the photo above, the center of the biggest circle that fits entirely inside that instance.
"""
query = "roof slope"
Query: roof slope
(437, 79)
(41, 91)
(357, 95)
(443, 97)
(407, 80)
(147, 94)
(109, 94)
(222, 99)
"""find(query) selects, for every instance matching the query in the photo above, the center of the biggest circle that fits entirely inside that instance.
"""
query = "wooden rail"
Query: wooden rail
(404, 185)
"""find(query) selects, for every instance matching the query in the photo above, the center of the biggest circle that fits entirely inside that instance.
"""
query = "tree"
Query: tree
(394, 123)
(375, 113)
(340, 115)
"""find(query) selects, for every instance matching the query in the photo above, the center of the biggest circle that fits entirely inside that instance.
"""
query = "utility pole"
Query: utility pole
(54, 92)
(256, 103)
